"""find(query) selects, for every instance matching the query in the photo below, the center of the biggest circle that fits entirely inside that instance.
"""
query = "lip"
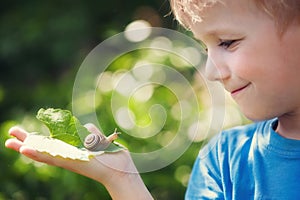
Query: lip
(235, 92)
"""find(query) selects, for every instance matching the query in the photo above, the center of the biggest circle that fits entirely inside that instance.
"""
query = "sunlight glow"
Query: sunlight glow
(137, 31)
(125, 118)
(104, 82)
(143, 93)
(142, 70)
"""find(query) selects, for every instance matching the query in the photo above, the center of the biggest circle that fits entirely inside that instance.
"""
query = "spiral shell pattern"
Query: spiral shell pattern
(96, 142)
(169, 64)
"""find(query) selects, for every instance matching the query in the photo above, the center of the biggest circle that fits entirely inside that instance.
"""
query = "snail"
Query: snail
(98, 141)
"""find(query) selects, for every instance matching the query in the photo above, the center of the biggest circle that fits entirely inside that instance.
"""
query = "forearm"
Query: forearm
(116, 171)
(128, 186)
(122, 179)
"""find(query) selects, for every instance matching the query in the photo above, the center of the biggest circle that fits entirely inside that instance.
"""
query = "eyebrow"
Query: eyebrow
(217, 32)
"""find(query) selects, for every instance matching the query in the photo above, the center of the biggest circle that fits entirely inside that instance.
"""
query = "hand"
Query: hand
(116, 171)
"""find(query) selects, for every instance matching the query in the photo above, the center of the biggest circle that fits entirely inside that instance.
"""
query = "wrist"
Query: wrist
(127, 185)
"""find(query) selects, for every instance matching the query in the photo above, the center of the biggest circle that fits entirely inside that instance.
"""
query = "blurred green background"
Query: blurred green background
(43, 44)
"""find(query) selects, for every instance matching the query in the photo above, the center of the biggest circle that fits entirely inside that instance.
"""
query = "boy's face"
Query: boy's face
(246, 54)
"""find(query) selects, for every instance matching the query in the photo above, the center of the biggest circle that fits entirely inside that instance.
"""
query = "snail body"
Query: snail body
(98, 141)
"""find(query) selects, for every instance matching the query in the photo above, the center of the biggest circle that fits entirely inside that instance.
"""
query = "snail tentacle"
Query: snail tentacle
(113, 136)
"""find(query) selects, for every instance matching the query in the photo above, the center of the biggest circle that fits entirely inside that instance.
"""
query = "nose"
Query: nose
(215, 70)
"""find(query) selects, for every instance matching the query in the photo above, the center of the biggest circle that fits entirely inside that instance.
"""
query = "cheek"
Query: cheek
(258, 61)
(243, 65)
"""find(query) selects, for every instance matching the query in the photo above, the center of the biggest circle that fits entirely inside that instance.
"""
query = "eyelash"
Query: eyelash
(226, 43)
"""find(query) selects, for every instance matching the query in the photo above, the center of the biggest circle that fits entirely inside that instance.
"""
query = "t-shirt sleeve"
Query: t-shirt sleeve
(205, 181)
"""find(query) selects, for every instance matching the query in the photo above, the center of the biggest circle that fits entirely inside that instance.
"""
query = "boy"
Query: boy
(252, 49)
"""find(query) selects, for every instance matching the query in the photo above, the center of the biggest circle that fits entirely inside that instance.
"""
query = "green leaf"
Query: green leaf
(113, 147)
(50, 145)
(63, 126)
(67, 128)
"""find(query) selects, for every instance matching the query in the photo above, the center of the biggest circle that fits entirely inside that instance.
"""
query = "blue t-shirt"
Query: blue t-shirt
(247, 162)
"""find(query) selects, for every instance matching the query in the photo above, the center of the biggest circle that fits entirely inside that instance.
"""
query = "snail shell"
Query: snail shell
(98, 142)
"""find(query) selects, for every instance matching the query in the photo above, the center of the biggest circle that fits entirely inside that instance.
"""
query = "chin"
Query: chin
(256, 117)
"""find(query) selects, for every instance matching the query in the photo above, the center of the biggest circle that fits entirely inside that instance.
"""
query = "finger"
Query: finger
(92, 128)
(49, 159)
(18, 132)
(35, 155)
(18, 145)
(14, 144)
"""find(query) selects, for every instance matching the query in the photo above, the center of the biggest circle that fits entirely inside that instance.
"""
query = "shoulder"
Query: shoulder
(232, 140)
(224, 160)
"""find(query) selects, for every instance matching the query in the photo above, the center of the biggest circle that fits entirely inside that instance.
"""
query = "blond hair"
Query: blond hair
(284, 12)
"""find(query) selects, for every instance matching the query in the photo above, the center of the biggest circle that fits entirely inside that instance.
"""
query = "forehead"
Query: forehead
(226, 15)
(188, 11)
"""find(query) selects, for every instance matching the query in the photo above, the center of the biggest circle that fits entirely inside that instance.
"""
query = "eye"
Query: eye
(226, 44)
